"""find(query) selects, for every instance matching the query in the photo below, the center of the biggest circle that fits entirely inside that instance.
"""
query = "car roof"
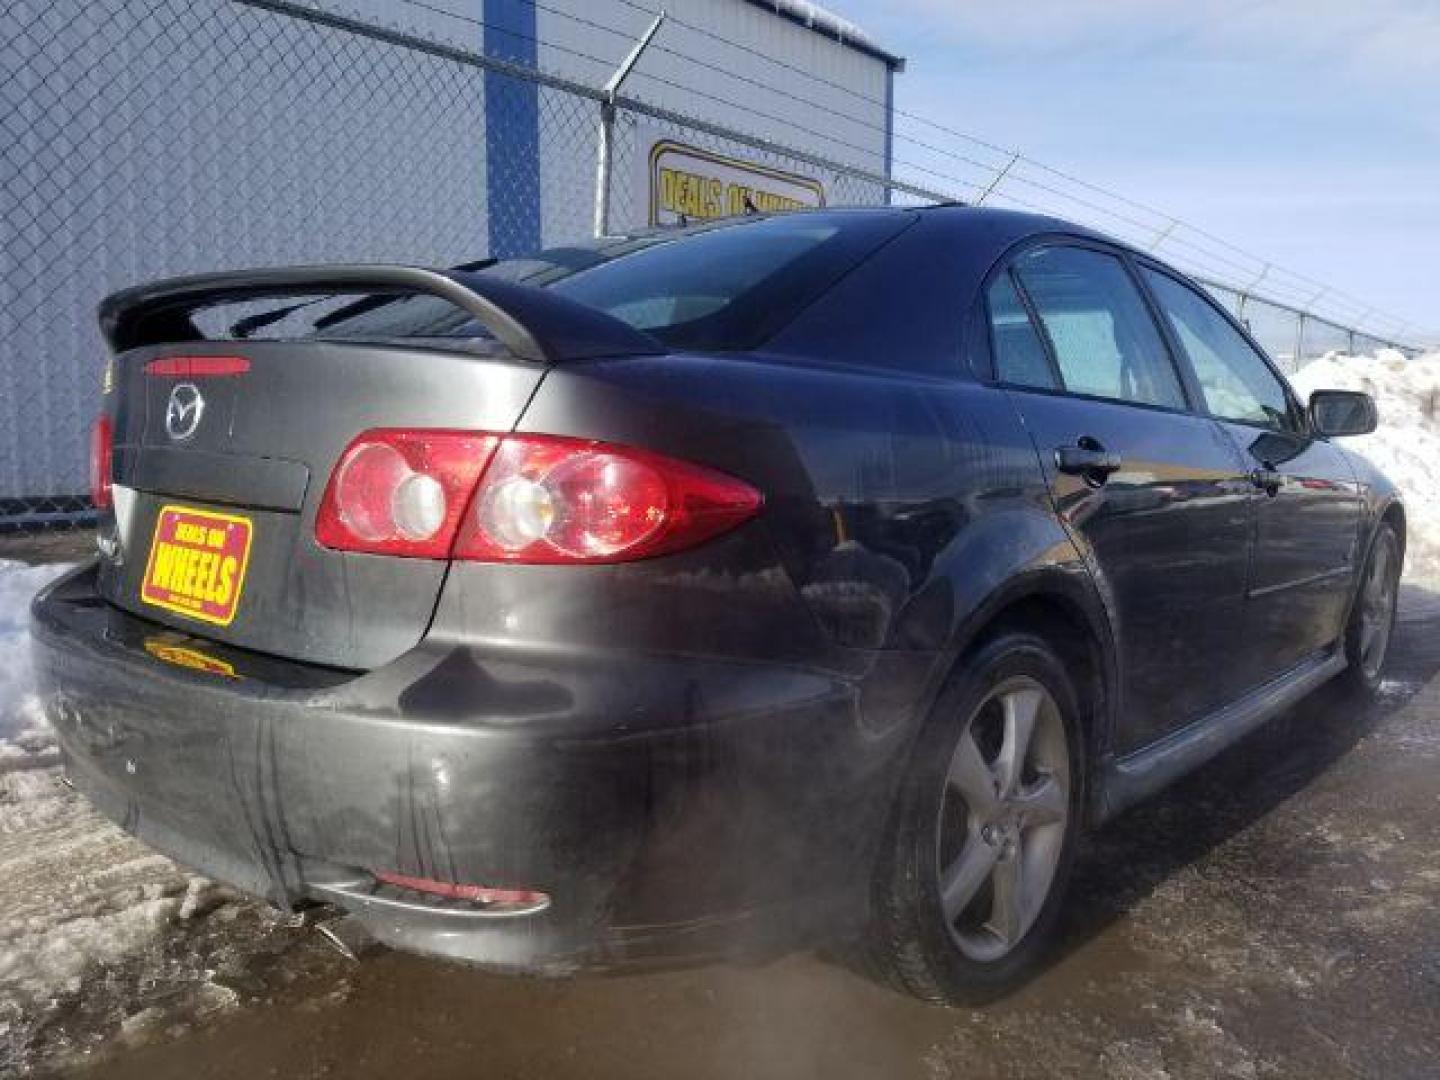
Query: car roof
(983, 227)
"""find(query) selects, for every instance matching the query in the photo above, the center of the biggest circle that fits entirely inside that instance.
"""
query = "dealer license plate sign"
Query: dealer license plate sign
(197, 564)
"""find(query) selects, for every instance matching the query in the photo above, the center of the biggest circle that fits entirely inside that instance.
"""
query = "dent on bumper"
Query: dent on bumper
(662, 803)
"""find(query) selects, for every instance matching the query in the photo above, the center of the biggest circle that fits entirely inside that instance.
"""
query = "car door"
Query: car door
(1307, 522)
(1156, 496)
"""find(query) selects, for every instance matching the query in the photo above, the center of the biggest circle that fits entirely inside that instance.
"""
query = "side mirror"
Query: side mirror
(1343, 412)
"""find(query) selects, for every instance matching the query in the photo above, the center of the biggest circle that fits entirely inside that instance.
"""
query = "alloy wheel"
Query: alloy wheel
(1003, 818)
(1377, 607)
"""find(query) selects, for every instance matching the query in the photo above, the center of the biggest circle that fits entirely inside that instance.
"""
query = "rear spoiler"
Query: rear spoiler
(534, 324)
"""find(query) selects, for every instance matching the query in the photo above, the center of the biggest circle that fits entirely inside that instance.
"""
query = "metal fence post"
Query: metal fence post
(603, 158)
(994, 183)
(605, 154)
(1300, 341)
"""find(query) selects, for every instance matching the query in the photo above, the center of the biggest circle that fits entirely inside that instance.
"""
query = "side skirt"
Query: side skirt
(1137, 775)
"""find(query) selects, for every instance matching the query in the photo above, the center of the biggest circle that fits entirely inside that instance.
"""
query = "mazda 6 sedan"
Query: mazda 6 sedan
(787, 579)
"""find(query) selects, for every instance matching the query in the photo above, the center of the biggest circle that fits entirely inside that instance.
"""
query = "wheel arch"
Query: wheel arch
(1393, 514)
(1064, 609)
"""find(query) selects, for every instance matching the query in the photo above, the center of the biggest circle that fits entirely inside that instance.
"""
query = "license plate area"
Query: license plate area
(197, 564)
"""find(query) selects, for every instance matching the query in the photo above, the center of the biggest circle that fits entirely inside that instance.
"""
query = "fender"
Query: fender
(1028, 555)
(1372, 529)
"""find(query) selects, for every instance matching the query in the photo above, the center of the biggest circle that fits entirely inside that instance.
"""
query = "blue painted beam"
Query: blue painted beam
(512, 131)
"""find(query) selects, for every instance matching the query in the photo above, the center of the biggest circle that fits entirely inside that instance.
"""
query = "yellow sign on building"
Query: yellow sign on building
(687, 184)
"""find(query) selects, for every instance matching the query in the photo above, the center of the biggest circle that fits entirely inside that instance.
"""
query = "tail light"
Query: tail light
(402, 492)
(546, 499)
(522, 499)
(102, 456)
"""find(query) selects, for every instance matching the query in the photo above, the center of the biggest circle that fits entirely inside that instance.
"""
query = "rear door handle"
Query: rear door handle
(1089, 459)
(1267, 480)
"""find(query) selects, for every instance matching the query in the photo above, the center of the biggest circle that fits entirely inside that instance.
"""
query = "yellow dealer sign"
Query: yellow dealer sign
(690, 184)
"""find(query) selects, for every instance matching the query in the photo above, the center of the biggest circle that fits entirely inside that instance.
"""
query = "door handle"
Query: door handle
(1089, 459)
(1267, 480)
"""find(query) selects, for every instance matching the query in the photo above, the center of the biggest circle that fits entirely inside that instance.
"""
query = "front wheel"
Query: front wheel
(1372, 619)
(985, 831)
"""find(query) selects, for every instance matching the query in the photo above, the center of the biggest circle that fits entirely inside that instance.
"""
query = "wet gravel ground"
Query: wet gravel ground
(1277, 914)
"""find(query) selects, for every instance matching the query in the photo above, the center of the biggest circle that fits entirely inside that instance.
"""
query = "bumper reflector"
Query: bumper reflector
(474, 894)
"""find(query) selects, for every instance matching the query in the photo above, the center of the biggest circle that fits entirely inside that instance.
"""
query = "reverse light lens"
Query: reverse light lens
(516, 513)
(102, 458)
(419, 507)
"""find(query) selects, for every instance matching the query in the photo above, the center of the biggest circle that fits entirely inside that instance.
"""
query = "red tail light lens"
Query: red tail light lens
(547, 499)
(402, 492)
(102, 457)
(522, 499)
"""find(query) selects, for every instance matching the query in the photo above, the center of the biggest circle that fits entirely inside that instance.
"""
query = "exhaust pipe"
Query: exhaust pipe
(348, 936)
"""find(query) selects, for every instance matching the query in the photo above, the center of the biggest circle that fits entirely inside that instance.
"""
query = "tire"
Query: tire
(945, 829)
(1372, 616)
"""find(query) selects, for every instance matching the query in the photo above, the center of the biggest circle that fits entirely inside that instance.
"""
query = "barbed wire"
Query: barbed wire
(1197, 246)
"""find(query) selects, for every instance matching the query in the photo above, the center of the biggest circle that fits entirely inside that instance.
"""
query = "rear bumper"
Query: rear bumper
(668, 806)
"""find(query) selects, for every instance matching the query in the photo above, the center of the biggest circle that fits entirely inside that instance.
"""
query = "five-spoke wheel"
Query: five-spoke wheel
(1002, 818)
(1372, 617)
(1377, 604)
(985, 832)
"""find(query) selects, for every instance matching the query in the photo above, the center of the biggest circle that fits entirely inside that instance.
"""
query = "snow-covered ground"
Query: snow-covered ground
(80, 902)
(18, 712)
(1407, 445)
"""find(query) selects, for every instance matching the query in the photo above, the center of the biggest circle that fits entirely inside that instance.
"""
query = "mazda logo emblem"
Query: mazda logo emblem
(183, 411)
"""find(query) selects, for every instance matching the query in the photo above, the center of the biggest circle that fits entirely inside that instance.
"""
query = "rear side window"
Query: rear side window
(1106, 343)
(1020, 355)
(1234, 378)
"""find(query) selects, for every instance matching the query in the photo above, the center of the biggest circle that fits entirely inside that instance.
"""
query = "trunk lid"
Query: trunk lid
(223, 447)
(257, 464)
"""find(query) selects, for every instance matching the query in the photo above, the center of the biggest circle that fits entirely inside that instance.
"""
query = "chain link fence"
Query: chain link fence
(146, 138)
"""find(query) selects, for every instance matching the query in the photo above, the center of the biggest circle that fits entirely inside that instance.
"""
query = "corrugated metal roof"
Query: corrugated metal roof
(832, 26)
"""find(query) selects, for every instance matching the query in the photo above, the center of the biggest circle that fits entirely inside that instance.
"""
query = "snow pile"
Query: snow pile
(75, 892)
(20, 720)
(1407, 445)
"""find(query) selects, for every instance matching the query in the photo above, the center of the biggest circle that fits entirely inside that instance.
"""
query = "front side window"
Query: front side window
(1106, 344)
(1235, 380)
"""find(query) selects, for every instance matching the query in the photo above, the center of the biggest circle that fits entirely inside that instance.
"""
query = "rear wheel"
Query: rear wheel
(1372, 619)
(985, 833)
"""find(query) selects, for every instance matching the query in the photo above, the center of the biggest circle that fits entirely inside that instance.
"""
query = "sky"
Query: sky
(1305, 131)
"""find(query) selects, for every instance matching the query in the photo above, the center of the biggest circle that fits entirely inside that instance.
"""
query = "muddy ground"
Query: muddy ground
(1275, 915)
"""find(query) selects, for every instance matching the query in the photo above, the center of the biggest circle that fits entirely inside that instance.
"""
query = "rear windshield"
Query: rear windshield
(730, 285)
